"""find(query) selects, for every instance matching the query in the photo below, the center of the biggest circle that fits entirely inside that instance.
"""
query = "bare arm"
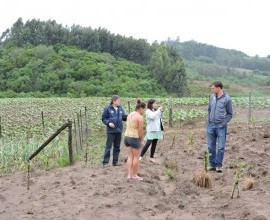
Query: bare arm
(140, 128)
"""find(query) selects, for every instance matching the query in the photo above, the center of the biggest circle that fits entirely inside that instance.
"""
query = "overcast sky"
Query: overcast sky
(232, 24)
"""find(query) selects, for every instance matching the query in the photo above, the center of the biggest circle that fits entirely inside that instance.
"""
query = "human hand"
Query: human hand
(111, 125)
(161, 108)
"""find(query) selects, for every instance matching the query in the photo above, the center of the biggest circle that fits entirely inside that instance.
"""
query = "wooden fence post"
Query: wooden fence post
(48, 141)
(43, 124)
(79, 131)
(86, 135)
(128, 106)
(70, 150)
(75, 134)
(170, 113)
(0, 127)
(81, 126)
(249, 110)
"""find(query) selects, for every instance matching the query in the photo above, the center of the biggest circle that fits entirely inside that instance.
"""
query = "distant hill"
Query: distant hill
(239, 72)
(45, 58)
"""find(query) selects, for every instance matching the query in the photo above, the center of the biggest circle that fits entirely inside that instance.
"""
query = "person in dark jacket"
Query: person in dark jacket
(219, 114)
(112, 117)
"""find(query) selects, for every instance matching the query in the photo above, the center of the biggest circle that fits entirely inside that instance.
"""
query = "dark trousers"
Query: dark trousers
(115, 140)
(153, 144)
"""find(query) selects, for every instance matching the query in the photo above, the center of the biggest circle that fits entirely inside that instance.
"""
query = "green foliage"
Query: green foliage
(170, 174)
(43, 54)
(49, 33)
(52, 57)
(72, 72)
(169, 69)
(239, 73)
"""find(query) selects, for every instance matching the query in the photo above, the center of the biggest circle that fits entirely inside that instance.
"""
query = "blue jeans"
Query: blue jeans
(216, 134)
(115, 140)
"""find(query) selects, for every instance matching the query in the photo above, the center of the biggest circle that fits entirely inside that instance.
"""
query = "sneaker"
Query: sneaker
(219, 169)
(140, 158)
(106, 165)
(210, 168)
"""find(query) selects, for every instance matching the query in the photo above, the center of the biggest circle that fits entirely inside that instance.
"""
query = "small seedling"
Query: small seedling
(170, 174)
(191, 142)
(170, 167)
(236, 182)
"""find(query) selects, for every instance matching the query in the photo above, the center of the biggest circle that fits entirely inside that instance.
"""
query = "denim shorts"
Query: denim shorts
(132, 142)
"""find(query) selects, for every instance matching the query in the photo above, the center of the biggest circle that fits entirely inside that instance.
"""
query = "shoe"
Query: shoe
(210, 168)
(137, 178)
(106, 165)
(153, 160)
(219, 169)
(140, 158)
(117, 164)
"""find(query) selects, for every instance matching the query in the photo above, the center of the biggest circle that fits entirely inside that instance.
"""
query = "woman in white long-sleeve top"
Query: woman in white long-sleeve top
(154, 128)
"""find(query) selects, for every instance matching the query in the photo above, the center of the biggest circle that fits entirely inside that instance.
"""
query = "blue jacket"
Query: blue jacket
(116, 117)
(220, 110)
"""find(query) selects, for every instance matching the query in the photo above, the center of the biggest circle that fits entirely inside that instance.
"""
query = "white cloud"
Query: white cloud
(232, 24)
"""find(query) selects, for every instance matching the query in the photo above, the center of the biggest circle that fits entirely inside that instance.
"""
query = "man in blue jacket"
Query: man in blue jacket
(112, 117)
(219, 114)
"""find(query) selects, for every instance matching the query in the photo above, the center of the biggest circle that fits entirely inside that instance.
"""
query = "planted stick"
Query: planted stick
(202, 177)
(79, 131)
(205, 161)
(28, 175)
(173, 142)
(236, 183)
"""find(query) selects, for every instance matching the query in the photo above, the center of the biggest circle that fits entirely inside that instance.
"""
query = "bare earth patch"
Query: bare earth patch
(94, 192)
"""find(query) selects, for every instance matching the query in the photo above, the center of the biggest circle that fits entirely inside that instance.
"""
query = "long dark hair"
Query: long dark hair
(150, 103)
(140, 105)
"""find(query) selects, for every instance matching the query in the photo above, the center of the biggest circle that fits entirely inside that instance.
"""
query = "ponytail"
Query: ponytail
(140, 105)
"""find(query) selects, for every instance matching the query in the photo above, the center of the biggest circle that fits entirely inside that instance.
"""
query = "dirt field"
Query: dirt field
(94, 192)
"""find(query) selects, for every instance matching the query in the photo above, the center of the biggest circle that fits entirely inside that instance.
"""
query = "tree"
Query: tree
(168, 68)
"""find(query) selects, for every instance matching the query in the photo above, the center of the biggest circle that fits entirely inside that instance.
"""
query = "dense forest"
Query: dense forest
(43, 54)
(43, 58)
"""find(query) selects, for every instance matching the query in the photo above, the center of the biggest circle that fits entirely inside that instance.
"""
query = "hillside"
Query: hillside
(68, 71)
(239, 72)
(96, 62)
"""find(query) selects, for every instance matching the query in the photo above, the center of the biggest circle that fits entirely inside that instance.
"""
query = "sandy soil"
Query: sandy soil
(94, 192)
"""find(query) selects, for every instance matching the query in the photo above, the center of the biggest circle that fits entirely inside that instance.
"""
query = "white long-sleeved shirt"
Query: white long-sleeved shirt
(153, 120)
